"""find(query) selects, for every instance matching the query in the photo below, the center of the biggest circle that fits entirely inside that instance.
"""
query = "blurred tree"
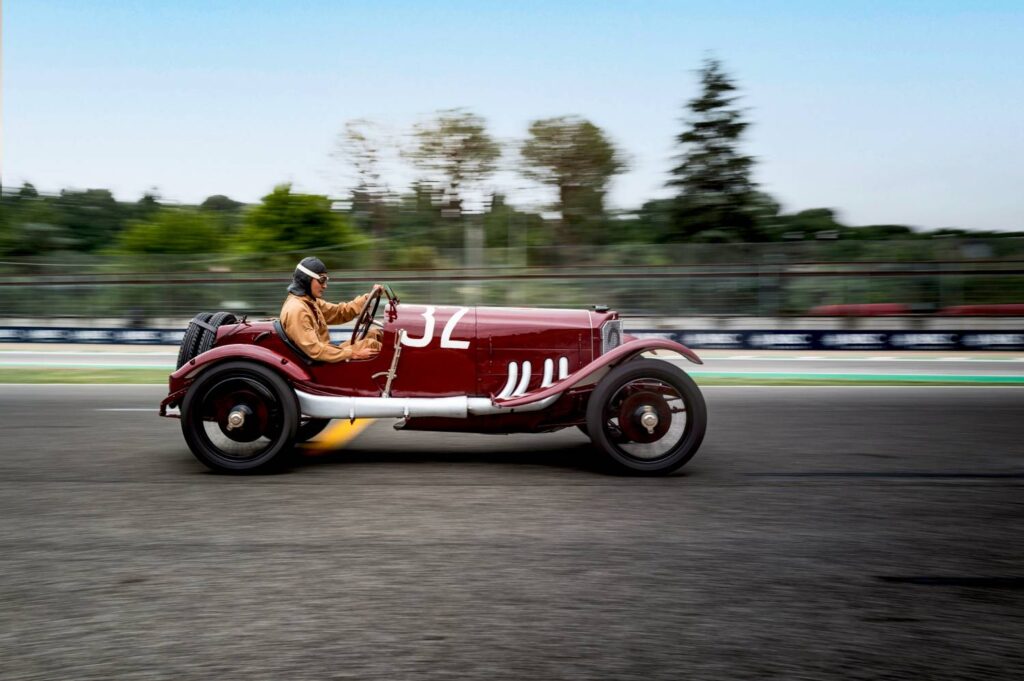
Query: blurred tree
(30, 225)
(415, 220)
(289, 222)
(881, 232)
(360, 146)
(148, 205)
(575, 157)
(92, 216)
(766, 214)
(39, 239)
(947, 232)
(9, 202)
(457, 150)
(506, 227)
(220, 203)
(651, 224)
(227, 213)
(715, 191)
(414, 258)
(173, 231)
(809, 224)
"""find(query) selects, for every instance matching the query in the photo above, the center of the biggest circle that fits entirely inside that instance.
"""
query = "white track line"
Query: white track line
(73, 365)
(152, 410)
(88, 353)
(973, 360)
(754, 358)
(846, 386)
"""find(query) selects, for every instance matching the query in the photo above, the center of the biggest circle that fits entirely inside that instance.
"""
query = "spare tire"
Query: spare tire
(209, 335)
(190, 341)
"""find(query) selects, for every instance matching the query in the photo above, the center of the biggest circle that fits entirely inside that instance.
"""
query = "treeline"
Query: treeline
(715, 200)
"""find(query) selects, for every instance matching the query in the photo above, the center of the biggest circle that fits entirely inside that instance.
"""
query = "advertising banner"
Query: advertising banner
(841, 340)
(760, 339)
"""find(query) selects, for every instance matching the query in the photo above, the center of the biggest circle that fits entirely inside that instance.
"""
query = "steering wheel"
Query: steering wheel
(366, 316)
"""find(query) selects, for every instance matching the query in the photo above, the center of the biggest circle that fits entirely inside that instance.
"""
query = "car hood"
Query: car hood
(510, 327)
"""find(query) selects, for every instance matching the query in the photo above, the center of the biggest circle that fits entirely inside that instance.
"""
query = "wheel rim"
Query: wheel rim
(239, 440)
(634, 420)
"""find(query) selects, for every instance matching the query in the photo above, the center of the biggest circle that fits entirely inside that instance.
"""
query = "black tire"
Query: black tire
(190, 341)
(604, 404)
(309, 428)
(264, 442)
(207, 338)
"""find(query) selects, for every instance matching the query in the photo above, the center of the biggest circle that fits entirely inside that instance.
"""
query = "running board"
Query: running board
(335, 407)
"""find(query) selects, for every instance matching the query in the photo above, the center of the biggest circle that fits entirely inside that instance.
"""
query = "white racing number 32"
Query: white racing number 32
(446, 335)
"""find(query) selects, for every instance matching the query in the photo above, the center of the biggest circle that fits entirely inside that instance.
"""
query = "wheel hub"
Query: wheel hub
(650, 419)
(240, 423)
(645, 416)
(236, 419)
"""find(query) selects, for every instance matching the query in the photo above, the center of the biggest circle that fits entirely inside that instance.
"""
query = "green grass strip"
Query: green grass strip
(798, 378)
(754, 382)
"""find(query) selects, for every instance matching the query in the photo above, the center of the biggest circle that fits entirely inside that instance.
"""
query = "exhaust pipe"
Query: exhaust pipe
(335, 407)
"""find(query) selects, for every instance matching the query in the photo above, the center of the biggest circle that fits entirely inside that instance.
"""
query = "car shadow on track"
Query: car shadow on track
(582, 457)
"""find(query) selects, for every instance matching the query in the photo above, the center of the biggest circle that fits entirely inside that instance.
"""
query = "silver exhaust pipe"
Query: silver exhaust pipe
(336, 407)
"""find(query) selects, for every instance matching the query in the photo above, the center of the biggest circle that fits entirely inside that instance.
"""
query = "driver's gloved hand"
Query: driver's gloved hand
(366, 349)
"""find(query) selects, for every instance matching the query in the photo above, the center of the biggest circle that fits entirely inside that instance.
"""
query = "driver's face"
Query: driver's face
(318, 286)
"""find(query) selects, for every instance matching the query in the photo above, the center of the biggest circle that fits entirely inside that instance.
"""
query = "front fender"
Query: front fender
(232, 351)
(624, 352)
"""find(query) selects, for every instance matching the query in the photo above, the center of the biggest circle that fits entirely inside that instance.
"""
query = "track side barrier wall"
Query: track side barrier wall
(731, 339)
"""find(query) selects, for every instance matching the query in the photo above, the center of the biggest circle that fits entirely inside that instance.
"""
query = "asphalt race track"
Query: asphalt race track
(820, 533)
(753, 363)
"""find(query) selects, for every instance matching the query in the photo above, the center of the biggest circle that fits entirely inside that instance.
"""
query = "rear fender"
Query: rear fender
(235, 351)
(610, 359)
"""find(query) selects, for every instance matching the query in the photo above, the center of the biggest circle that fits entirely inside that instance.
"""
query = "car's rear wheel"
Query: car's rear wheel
(240, 417)
(648, 416)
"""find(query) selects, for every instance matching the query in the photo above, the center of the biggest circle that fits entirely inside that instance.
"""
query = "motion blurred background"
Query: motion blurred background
(662, 158)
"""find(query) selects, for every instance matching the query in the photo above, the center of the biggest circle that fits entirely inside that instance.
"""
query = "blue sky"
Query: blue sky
(889, 112)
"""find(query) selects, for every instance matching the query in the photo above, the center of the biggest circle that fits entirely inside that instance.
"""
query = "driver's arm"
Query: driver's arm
(339, 313)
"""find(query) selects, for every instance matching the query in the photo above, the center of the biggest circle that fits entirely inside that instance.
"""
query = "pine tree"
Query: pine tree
(715, 193)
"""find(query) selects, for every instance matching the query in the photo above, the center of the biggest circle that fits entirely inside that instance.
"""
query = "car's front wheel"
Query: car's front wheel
(240, 417)
(648, 416)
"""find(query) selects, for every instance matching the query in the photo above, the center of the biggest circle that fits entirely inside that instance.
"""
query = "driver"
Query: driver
(305, 316)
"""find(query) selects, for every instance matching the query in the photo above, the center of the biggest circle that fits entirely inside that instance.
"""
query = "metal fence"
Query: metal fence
(776, 279)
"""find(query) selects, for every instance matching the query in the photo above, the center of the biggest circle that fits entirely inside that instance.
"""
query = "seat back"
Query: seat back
(279, 329)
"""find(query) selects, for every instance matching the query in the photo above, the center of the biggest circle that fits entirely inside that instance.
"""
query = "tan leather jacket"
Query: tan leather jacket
(305, 320)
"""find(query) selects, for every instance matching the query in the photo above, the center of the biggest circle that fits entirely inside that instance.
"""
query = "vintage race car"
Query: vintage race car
(246, 394)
